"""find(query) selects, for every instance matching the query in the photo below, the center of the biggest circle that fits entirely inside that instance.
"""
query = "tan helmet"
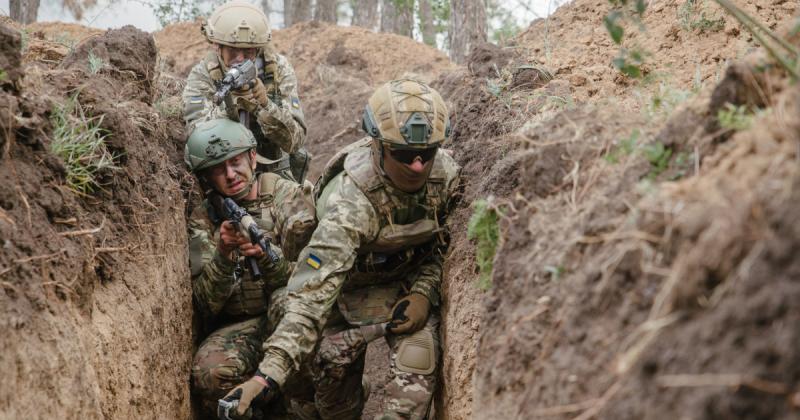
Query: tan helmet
(238, 24)
(407, 113)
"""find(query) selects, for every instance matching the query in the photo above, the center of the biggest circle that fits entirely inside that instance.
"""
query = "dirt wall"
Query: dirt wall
(94, 287)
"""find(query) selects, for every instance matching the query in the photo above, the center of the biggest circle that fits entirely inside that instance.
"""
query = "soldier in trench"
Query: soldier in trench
(240, 31)
(238, 308)
(373, 265)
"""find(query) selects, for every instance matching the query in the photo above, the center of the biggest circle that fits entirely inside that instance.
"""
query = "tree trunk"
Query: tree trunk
(266, 8)
(326, 11)
(24, 11)
(365, 14)
(426, 23)
(397, 17)
(467, 28)
(301, 11)
(287, 13)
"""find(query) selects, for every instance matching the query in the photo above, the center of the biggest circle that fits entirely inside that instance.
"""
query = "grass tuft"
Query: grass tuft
(484, 230)
(80, 143)
(734, 118)
(95, 63)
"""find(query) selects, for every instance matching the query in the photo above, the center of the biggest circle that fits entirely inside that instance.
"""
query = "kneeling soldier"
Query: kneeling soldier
(375, 259)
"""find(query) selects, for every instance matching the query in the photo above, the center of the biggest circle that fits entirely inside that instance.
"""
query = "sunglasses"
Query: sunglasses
(407, 156)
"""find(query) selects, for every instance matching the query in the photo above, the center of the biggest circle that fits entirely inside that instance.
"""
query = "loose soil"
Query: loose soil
(629, 281)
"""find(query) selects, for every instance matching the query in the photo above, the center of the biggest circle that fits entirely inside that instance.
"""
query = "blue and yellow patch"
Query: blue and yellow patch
(196, 100)
(314, 261)
(295, 102)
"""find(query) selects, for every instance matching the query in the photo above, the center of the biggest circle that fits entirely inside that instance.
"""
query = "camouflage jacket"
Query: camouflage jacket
(349, 223)
(281, 121)
(217, 294)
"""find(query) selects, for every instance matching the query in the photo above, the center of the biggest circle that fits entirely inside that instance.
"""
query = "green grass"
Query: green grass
(694, 16)
(95, 63)
(625, 147)
(166, 109)
(3, 75)
(484, 230)
(735, 118)
(80, 143)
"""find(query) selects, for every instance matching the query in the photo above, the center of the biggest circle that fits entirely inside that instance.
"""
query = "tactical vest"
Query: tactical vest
(249, 298)
(410, 230)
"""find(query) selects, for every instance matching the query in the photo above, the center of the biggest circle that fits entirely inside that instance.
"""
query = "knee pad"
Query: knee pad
(417, 353)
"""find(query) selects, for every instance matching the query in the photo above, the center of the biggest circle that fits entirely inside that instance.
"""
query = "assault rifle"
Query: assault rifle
(239, 76)
(244, 222)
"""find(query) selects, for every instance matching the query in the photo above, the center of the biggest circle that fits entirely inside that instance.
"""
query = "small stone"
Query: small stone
(544, 300)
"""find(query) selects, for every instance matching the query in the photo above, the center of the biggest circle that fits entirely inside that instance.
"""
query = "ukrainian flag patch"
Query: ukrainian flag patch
(295, 102)
(196, 100)
(313, 261)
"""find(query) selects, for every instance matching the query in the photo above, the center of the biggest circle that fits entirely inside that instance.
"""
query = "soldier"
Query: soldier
(221, 154)
(240, 31)
(375, 257)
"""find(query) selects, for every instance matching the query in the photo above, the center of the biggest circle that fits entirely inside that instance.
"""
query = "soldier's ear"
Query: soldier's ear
(253, 162)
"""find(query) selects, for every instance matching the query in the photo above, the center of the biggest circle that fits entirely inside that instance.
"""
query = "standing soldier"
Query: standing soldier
(240, 31)
(230, 296)
(375, 259)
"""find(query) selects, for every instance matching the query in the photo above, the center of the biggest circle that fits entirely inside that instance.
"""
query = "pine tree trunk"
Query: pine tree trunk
(287, 13)
(365, 14)
(426, 22)
(301, 11)
(388, 16)
(266, 8)
(24, 11)
(325, 11)
(467, 27)
(397, 17)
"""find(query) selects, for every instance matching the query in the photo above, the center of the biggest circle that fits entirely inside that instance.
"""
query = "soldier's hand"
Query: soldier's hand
(230, 239)
(255, 387)
(409, 314)
(250, 98)
(249, 250)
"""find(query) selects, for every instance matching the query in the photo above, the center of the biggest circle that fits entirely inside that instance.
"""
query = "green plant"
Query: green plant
(66, 40)
(95, 63)
(166, 108)
(694, 15)
(483, 228)
(625, 147)
(658, 155)
(25, 39)
(735, 118)
(3, 75)
(626, 13)
(80, 142)
(555, 271)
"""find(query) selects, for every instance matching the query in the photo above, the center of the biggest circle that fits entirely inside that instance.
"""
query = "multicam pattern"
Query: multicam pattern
(348, 223)
(281, 121)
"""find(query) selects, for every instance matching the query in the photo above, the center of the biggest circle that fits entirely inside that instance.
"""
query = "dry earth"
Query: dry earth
(622, 288)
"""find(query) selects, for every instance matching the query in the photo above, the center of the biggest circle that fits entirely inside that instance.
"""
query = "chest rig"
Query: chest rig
(410, 230)
(249, 297)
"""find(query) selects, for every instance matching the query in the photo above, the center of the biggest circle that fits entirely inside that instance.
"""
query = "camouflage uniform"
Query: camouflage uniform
(279, 127)
(231, 354)
(373, 245)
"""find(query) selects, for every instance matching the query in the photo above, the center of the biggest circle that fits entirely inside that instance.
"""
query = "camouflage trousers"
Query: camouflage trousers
(339, 366)
(230, 356)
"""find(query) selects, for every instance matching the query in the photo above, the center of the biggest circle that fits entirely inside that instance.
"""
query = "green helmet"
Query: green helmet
(238, 24)
(216, 141)
(407, 113)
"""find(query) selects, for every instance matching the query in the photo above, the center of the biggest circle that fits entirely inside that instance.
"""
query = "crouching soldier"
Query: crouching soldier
(269, 106)
(234, 281)
(374, 259)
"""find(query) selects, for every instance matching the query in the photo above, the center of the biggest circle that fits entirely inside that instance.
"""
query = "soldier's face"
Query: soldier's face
(232, 176)
(408, 169)
(233, 56)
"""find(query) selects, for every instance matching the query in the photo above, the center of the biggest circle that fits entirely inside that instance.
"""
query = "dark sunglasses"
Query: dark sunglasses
(407, 156)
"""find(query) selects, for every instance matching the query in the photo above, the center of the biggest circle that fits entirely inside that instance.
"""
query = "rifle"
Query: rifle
(244, 222)
(239, 76)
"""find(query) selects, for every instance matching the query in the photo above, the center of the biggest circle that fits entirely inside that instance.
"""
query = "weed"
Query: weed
(629, 61)
(555, 271)
(95, 63)
(66, 40)
(3, 75)
(666, 99)
(483, 228)
(25, 40)
(682, 163)
(658, 155)
(80, 143)
(166, 108)
(625, 147)
(693, 17)
(734, 118)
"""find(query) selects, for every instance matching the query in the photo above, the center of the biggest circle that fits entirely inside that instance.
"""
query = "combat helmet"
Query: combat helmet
(215, 141)
(238, 24)
(407, 113)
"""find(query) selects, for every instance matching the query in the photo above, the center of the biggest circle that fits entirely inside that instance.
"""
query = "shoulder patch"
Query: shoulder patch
(295, 102)
(196, 100)
(314, 261)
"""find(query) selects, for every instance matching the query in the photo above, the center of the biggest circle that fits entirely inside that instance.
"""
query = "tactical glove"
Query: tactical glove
(253, 388)
(409, 314)
(250, 98)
